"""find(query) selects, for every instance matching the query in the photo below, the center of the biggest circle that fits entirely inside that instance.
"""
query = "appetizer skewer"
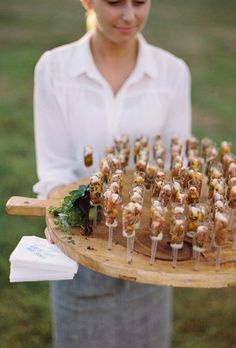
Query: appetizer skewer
(157, 230)
(111, 208)
(177, 238)
(129, 228)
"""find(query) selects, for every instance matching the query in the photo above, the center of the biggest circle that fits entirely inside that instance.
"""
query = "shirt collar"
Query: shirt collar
(82, 59)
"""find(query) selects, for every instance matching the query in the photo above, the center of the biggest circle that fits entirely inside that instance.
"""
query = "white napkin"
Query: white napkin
(35, 259)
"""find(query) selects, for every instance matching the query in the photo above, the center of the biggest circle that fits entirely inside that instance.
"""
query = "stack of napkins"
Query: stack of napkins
(35, 259)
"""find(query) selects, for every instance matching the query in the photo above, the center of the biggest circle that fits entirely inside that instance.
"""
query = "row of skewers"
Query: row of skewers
(178, 208)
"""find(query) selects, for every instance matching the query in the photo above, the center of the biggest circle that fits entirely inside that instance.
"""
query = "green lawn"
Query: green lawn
(200, 31)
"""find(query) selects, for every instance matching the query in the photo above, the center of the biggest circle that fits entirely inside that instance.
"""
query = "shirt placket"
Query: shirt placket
(114, 105)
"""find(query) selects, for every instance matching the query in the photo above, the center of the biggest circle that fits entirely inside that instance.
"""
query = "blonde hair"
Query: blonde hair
(89, 15)
(90, 19)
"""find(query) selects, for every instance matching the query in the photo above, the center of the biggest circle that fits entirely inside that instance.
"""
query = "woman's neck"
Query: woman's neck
(114, 61)
(108, 51)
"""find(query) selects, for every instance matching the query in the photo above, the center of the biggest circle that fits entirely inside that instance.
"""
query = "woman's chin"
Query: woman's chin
(122, 37)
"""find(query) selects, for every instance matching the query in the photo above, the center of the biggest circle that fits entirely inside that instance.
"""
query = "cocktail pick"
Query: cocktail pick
(200, 240)
(157, 228)
(155, 240)
(88, 159)
(177, 233)
(221, 223)
(95, 186)
(129, 228)
(111, 204)
(110, 234)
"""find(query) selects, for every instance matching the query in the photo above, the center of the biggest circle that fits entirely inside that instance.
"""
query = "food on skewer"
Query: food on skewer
(175, 148)
(176, 166)
(206, 144)
(157, 230)
(111, 209)
(221, 222)
(227, 159)
(177, 233)
(225, 147)
(136, 197)
(159, 151)
(129, 221)
(139, 178)
(105, 170)
(165, 194)
(156, 189)
(192, 147)
(137, 149)
(195, 163)
(115, 187)
(138, 213)
(96, 187)
(88, 156)
(140, 189)
(181, 198)
(204, 212)
(141, 164)
(178, 211)
(117, 177)
(200, 241)
(175, 194)
(231, 170)
(232, 196)
(193, 194)
(151, 171)
(194, 217)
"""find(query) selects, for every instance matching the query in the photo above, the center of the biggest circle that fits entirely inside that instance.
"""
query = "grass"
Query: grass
(202, 33)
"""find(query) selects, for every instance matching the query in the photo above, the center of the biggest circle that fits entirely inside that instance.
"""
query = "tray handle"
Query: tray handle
(17, 205)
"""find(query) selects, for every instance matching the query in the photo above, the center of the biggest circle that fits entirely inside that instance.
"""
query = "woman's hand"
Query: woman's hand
(48, 236)
(53, 194)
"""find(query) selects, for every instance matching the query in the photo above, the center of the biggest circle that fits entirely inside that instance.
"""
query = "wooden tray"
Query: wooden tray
(92, 251)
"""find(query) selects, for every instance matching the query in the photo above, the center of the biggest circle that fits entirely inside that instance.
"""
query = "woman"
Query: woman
(109, 82)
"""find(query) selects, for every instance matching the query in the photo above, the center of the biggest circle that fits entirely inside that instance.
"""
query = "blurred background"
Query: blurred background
(203, 33)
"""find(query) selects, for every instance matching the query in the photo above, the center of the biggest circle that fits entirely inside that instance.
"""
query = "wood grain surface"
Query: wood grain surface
(92, 251)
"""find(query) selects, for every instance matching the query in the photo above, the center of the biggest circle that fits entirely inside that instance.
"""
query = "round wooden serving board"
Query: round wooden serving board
(92, 251)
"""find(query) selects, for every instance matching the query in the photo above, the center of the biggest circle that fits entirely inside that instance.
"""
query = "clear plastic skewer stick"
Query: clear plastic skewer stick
(153, 250)
(197, 260)
(110, 233)
(194, 254)
(155, 240)
(129, 248)
(175, 257)
(218, 252)
(132, 243)
(110, 237)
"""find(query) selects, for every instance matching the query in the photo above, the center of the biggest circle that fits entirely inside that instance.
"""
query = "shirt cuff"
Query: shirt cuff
(43, 187)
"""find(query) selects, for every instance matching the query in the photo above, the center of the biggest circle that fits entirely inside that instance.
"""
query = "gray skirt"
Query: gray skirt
(95, 311)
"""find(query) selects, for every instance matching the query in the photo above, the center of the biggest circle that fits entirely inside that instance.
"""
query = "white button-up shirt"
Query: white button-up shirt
(74, 106)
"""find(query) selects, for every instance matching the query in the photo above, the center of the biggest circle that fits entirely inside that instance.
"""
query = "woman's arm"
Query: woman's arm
(55, 155)
(179, 120)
